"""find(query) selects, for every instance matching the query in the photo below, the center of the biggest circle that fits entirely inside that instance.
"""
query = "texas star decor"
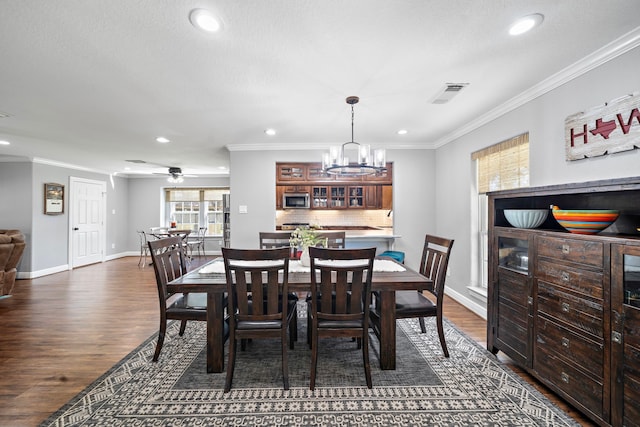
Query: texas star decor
(609, 128)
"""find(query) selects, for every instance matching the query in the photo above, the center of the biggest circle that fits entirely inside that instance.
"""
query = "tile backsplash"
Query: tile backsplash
(376, 217)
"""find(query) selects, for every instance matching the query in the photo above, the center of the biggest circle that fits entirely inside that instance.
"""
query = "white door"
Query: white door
(87, 221)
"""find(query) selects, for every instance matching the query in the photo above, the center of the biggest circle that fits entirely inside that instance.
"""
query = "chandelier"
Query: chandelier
(336, 161)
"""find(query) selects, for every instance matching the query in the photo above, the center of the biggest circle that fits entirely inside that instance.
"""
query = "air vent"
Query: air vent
(136, 161)
(451, 90)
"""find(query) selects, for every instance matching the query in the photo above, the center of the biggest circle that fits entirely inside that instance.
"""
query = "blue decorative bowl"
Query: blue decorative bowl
(526, 218)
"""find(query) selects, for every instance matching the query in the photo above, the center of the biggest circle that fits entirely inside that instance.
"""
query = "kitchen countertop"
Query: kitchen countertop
(362, 232)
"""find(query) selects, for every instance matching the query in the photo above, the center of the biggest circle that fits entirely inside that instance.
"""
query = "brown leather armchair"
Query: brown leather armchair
(11, 249)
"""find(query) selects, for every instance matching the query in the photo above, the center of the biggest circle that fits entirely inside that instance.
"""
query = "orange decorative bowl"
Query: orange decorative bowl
(585, 221)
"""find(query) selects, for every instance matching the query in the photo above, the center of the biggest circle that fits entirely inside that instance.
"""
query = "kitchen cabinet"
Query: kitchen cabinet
(329, 192)
(288, 172)
(295, 188)
(563, 306)
(279, 196)
(387, 197)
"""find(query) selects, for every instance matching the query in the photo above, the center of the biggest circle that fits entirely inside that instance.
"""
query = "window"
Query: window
(192, 208)
(499, 167)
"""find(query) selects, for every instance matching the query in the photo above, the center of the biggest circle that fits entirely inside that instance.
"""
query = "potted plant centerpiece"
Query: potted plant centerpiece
(302, 238)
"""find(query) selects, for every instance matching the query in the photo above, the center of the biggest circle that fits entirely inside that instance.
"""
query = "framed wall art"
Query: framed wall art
(53, 199)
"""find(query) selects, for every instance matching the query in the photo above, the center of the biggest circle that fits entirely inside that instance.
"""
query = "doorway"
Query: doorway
(86, 221)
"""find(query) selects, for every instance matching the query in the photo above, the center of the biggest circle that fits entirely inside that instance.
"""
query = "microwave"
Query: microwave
(295, 201)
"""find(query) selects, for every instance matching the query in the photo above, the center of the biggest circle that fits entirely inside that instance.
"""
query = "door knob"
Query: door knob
(75, 229)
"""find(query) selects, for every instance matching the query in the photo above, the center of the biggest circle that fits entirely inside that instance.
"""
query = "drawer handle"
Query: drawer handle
(565, 249)
(530, 300)
(565, 307)
(616, 337)
(565, 276)
(564, 377)
(565, 342)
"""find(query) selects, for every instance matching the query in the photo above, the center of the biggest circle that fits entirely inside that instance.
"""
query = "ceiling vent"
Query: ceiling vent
(451, 90)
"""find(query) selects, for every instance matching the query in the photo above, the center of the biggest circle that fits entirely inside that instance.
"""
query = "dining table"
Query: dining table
(388, 277)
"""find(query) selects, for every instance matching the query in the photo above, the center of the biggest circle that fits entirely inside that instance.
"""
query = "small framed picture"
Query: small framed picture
(53, 199)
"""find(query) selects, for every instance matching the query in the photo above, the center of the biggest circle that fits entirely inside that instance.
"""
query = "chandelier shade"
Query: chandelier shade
(352, 158)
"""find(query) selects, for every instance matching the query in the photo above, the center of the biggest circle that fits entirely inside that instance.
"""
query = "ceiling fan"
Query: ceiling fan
(174, 173)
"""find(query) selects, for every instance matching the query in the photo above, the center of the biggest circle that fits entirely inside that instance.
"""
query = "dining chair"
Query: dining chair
(144, 248)
(257, 280)
(411, 304)
(280, 239)
(340, 295)
(169, 264)
(197, 242)
(335, 240)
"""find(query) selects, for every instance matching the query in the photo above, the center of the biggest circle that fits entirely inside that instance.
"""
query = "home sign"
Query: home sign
(609, 128)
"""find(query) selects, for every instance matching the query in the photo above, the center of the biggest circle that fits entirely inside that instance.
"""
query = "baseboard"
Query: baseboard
(40, 273)
(468, 303)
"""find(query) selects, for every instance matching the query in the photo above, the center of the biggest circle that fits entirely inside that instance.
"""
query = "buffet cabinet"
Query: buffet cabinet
(566, 307)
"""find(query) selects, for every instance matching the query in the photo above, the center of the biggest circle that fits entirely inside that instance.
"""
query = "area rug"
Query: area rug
(471, 387)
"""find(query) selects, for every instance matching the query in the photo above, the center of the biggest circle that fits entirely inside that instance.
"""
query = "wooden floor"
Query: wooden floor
(60, 332)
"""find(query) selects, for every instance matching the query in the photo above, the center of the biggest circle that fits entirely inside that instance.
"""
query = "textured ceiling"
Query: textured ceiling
(93, 82)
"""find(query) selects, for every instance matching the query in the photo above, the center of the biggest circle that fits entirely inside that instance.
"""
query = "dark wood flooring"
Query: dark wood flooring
(60, 332)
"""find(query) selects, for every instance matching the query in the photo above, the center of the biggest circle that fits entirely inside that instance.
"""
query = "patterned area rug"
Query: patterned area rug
(469, 388)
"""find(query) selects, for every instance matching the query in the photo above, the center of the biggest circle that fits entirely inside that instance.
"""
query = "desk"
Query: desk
(214, 285)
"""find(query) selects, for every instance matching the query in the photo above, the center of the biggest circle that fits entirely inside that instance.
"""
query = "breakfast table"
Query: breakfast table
(388, 277)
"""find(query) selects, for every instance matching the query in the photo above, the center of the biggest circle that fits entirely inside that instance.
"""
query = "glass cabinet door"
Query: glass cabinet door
(513, 254)
(631, 280)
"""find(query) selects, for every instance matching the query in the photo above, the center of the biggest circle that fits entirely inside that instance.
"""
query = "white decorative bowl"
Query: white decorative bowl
(526, 218)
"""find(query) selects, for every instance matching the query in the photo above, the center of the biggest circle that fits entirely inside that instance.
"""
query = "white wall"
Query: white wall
(544, 119)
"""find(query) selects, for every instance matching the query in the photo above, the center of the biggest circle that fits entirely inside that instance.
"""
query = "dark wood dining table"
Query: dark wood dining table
(214, 285)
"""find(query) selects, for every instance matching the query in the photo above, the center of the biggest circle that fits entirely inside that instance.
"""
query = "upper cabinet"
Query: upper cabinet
(330, 192)
(312, 173)
(291, 172)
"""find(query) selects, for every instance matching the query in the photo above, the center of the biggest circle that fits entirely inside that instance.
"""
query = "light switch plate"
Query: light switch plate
(242, 209)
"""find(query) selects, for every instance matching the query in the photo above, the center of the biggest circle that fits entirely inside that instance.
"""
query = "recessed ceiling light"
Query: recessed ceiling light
(205, 20)
(402, 132)
(127, 168)
(525, 24)
(270, 132)
(162, 139)
(5, 143)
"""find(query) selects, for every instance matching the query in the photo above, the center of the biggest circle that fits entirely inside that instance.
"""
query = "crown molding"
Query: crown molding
(601, 56)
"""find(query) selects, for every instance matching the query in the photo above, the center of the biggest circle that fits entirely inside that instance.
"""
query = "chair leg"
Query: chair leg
(314, 360)
(183, 327)
(365, 357)
(231, 364)
(309, 334)
(285, 362)
(422, 327)
(443, 343)
(159, 344)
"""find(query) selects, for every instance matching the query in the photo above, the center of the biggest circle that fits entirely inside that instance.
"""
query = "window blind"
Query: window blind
(504, 165)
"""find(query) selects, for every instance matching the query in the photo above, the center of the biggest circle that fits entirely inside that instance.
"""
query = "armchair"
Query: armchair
(11, 249)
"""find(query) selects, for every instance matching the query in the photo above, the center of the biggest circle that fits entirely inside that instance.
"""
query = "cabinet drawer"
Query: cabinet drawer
(586, 353)
(582, 281)
(579, 251)
(581, 313)
(584, 389)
